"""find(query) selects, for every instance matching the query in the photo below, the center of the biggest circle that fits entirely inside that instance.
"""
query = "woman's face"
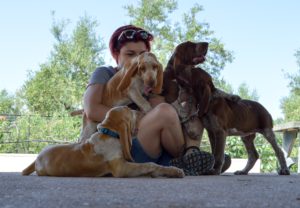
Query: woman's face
(129, 51)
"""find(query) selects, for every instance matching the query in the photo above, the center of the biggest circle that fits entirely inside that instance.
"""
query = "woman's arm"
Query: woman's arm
(92, 100)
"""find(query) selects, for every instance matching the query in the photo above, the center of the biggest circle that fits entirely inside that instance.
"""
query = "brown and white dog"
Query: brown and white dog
(105, 152)
(222, 117)
(143, 75)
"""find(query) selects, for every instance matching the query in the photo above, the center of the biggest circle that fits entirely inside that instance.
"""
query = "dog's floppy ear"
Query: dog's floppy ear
(130, 70)
(203, 96)
(159, 80)
(126, 140)
(176, 60)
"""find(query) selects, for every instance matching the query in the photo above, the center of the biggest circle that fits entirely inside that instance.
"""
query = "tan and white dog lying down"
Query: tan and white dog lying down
(105, 152)
(144, 74)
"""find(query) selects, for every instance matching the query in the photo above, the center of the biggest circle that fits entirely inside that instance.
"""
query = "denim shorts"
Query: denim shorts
(140, 156)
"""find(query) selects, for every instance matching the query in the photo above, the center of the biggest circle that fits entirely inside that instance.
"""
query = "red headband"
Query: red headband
(115, 45)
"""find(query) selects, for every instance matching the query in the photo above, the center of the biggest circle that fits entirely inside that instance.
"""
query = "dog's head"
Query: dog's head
(125, 122)
(146, 67)
(190, 53)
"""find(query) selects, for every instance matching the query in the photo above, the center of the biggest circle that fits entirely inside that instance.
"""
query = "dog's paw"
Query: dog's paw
(146, 109)
(240, 172)
(177, 172)
(284, 171)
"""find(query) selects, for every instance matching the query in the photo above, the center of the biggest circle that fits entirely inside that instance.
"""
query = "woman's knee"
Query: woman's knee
(166, 112)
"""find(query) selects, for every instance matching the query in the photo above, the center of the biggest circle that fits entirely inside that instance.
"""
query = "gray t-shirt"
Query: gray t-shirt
(102, 75)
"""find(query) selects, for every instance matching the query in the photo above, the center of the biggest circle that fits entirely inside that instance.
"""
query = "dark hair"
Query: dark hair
(115, 45)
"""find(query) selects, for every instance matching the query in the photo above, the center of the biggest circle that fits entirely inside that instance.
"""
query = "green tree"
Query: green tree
(155, 17)
(60, 82)
(8, 103)
(31, 133)
(244, 92)
(290, 104)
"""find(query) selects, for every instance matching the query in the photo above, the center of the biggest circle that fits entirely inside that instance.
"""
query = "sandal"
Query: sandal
(195, 162)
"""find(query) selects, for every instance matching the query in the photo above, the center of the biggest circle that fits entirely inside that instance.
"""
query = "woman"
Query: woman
(159, 138)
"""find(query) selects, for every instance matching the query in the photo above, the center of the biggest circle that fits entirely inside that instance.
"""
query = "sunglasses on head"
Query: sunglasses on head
(134, 35)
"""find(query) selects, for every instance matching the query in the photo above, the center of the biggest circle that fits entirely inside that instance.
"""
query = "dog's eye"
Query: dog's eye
(154, 67)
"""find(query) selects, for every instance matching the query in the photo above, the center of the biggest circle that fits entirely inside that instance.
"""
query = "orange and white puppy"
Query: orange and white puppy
(144, 74)
(105, 152)
(141, 76)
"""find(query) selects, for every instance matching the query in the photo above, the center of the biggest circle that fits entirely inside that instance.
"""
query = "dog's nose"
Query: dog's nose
(202, 48)
(205, 44)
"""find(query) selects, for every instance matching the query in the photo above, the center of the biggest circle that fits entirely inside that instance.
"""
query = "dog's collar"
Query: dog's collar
(109, 132)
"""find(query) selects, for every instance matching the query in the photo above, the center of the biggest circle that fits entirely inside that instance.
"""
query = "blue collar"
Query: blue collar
(109, 132)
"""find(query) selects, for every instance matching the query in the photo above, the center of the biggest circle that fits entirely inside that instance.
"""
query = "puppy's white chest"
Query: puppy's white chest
(109, 148)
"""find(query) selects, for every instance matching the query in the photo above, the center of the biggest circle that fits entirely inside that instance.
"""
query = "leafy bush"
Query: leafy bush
(31, 133)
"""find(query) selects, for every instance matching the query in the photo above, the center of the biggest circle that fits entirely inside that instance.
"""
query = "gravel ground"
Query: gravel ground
(255, 190)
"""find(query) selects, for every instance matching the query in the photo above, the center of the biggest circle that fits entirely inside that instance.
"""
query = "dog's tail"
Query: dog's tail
(30, 169)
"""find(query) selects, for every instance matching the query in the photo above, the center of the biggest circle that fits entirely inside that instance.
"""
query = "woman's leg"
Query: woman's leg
(161, 128)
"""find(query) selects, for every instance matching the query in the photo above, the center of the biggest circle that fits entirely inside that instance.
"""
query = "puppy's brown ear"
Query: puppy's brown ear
(126, 140)
(159, 79)
(130, 70)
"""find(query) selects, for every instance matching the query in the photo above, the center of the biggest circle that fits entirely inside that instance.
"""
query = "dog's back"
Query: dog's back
(244, 115)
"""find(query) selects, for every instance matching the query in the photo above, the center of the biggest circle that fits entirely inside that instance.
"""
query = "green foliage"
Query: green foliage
(290, 104)
(235, 147)
(8, 103)
(31, 133)
(290, 107)
(295, 79)
(60, 82)
(154, 16)
(244, 92)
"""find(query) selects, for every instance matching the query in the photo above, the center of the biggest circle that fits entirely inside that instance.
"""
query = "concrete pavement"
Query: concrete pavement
(255, 190)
